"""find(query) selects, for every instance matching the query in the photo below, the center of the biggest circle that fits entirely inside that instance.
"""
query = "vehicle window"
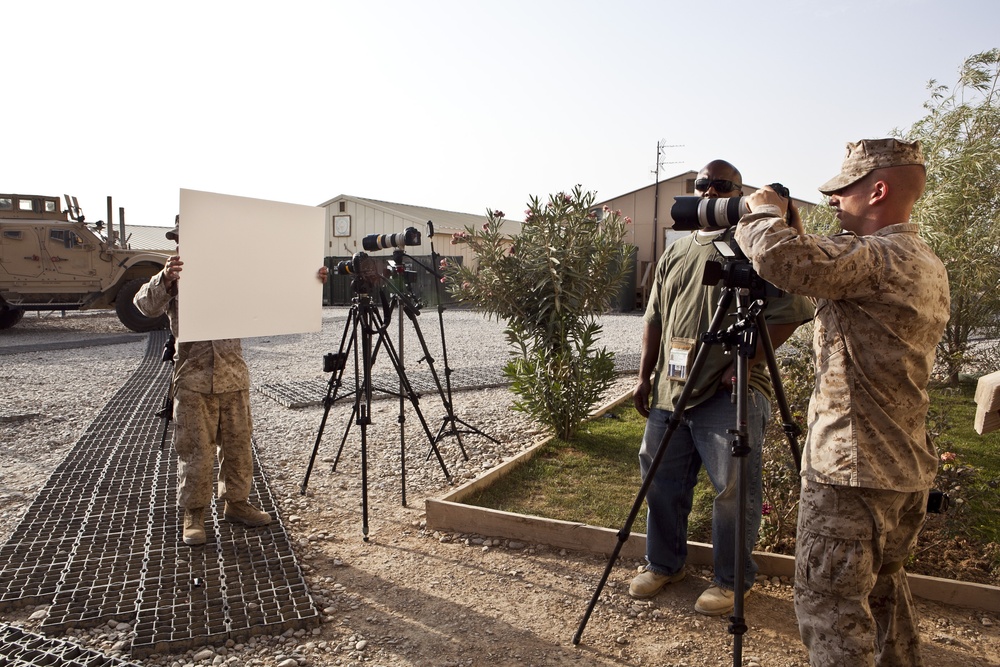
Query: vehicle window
(12, 234)
(66, 237)
(24, 204)
(51, 206)
(6, 204)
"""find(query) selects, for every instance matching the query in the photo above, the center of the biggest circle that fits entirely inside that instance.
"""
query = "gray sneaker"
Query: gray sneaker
(648, 583)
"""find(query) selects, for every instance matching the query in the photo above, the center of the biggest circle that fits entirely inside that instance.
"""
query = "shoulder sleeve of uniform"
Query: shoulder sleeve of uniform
(830, 267)
(153, 298)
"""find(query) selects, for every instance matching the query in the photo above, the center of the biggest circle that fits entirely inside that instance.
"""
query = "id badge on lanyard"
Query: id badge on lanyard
(679, 358)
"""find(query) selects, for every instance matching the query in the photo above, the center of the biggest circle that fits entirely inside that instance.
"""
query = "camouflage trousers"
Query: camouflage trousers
(852, 600)
(206, 425)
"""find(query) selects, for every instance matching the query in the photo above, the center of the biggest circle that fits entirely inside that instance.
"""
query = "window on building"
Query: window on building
(343, 206)
(689, 186)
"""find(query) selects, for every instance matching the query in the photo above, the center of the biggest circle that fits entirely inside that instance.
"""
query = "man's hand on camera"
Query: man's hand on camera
(766, 196)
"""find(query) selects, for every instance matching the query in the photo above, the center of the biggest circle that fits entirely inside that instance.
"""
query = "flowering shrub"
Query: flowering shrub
(549, 283)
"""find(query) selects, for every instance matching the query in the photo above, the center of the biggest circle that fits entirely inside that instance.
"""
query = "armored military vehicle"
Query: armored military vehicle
(52, 259)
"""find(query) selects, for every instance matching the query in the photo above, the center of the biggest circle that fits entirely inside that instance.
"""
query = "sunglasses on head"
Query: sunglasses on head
(703, 184)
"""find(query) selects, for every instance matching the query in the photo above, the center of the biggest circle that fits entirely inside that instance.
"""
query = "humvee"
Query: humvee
(52, 259)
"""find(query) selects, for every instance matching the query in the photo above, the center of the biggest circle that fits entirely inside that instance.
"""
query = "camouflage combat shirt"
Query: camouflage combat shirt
(882, 302)
(207, 367)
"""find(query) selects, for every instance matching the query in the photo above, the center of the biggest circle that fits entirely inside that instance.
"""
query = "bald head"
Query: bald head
(719, 178)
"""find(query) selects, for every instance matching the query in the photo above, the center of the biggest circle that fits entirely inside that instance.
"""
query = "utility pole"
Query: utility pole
(660, 146)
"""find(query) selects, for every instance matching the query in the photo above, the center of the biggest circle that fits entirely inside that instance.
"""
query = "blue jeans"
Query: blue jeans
(701, 438)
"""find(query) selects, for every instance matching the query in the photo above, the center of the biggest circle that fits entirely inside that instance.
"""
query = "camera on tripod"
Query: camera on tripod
(737, 272)
(712, 212)
(364, 268)
(334, 361)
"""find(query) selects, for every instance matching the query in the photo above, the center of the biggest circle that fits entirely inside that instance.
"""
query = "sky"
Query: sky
(456, 105)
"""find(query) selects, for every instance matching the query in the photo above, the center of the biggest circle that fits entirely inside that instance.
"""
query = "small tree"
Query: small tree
(959, 214)
(549, 283)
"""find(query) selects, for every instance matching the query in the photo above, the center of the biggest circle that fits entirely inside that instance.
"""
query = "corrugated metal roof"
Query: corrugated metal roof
(143, 237)
(451, 221)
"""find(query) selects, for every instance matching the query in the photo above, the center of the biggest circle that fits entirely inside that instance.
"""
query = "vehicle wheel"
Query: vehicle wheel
(130, 315)
(10, 316)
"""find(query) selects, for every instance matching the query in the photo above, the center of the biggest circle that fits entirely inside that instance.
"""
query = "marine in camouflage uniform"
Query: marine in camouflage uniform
(211, 401)
(882, 305)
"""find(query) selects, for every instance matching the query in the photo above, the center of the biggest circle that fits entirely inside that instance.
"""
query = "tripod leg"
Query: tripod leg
(343, 440)
(410, 393)
(331, 393)
(449, 419)
(791, 429)
(682, 400)
(737, 624)
(402, 422)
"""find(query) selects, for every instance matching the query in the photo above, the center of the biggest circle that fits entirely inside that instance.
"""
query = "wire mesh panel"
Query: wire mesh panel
(101, 542)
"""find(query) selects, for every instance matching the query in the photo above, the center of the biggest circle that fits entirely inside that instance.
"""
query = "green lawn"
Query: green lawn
(595, 478)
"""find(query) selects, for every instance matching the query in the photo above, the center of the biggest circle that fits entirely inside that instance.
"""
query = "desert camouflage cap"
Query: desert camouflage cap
(172, 233)
(866, 155)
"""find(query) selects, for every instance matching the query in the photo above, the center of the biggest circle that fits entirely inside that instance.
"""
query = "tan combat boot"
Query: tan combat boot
(194, 525)
(240, 511)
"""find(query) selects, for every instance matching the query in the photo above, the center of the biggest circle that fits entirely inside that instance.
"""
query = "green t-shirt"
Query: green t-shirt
(683, 306)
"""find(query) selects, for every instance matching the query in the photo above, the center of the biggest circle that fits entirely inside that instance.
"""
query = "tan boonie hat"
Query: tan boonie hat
(866, 155)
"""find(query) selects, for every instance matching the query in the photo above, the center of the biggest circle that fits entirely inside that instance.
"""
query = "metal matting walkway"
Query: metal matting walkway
(303, 393)
(102, 542)
(24, 649)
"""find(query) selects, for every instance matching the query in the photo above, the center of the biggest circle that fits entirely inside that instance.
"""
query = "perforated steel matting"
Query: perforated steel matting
(102, 542)
(19, 648)
(303, 393)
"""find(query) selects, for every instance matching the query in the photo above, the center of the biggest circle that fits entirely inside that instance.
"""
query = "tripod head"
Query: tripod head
(737, 273)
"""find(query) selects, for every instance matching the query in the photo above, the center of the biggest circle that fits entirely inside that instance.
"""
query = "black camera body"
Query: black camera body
(691, 212)
(364, 268)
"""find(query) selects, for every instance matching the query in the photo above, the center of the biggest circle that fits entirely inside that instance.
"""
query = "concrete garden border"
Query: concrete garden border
(449, 514)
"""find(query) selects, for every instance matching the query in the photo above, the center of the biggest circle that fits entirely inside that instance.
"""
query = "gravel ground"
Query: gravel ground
(408, 596)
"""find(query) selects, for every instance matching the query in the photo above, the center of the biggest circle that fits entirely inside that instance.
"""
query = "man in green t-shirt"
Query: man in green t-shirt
(680, 309)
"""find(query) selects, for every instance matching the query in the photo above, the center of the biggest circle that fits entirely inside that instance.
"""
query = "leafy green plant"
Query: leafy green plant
(959, 213)
(549, 283)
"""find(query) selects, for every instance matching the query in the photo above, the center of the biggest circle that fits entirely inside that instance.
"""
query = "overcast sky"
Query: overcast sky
(460, 105)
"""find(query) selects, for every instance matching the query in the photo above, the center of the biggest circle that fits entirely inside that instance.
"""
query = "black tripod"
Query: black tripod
(364, 324)
(743, 335)
(449, 422)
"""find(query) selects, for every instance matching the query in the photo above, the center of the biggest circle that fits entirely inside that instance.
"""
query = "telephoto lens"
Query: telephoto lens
(712, 212)
(707, 212)
(409, 236)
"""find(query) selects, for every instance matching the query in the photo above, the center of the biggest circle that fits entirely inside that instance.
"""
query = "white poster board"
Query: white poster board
(250, 267)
